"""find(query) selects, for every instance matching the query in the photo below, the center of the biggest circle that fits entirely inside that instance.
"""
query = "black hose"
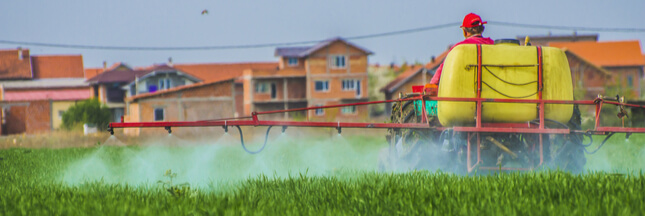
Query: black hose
(266, 137)
(601, 144)
(566, 126)
(590, 140)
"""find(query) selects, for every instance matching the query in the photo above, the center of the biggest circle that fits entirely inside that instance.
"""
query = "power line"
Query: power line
(248, 46)
(358, 37)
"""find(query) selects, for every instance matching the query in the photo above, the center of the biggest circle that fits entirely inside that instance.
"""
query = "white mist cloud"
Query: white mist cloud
(216, 162)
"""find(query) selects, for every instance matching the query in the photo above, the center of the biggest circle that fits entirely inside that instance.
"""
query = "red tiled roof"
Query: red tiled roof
(57, 66)
(63, 94)
(92, 72)
(12, 67)
(610, 53)
(176, 89)
(219, 71)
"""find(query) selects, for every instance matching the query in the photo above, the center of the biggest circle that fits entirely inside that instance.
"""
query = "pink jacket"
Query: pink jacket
(470, 40)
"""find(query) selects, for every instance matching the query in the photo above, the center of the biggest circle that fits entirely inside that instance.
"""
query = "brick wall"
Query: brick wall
(38, 117)
(16, 120)
(239, 99)
(622, 76)
(336, 114)
(28, 117)
(211, 101)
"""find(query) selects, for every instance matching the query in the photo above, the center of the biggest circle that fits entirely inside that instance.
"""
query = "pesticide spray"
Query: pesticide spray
(205, 162)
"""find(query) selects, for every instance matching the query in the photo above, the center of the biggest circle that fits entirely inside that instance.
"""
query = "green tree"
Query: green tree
(89, 111)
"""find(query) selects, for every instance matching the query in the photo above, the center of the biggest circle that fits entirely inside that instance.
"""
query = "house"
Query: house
(36, 90)
(331, 72)
(624, 59)
(111, 87)
(201, 101)
(413, 75)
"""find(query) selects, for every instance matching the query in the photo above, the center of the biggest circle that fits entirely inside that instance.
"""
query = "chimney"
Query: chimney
(432, 59)
(20, 53)
(170, 61)
(104, 65)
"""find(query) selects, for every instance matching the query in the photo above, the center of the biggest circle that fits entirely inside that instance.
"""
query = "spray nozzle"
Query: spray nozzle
(225, 129)
(168, 129)
(284, 128)
(339, 130)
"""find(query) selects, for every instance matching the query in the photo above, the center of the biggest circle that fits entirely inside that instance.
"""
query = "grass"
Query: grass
(314, 177)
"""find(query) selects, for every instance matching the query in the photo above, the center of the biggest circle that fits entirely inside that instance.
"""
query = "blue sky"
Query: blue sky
(163, 23)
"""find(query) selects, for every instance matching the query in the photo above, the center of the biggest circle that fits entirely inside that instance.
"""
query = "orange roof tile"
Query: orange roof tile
(92, 72)
(13, 66)
(57, 66)
(218, 71)
(610, 53)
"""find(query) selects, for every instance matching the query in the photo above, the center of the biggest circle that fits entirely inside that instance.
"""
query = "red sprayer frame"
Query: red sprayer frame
(254, 120)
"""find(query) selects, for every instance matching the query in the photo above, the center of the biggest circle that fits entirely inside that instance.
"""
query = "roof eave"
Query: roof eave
(398, 85)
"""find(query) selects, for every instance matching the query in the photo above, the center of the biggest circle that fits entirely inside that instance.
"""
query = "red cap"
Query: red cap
(472, 20)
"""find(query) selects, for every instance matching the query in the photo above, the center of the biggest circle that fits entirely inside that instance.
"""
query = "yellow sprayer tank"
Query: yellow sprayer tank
(518, 80)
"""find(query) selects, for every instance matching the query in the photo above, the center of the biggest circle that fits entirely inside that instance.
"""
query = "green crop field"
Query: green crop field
(324, 175)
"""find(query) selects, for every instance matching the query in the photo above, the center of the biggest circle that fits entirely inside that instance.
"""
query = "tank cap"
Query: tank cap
(507, 42)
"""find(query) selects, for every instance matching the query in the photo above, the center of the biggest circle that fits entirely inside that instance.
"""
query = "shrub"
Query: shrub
(89, 111)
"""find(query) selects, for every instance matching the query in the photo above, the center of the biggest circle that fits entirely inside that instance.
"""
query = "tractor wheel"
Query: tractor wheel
(566, 152)
(409, 148)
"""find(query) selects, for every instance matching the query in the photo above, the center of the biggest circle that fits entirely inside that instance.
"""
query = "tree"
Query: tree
(89, 111)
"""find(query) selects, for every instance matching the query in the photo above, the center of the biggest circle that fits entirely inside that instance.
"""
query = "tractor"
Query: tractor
(497, 107)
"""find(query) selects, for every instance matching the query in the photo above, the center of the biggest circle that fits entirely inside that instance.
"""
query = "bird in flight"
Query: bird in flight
(205, 12)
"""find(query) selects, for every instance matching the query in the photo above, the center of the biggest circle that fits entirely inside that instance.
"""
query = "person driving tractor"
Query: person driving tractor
(473, 27)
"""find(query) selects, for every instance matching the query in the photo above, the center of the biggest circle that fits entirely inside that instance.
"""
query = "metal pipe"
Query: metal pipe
(501, 146)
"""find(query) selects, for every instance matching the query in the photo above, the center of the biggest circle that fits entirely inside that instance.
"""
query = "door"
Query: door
(274, 91)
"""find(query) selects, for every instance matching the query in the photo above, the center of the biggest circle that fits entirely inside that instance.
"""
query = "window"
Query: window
(337, 61)
(322, 86)
(320, 112)
(292, 61)
(164, 83)
(348, 110)
(349, 85)
(262, 87)
(352, 85)
(60, 114)
(630, 81)
(159, 114)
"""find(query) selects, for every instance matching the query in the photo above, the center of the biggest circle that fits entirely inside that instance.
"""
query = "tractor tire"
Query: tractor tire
(410, 149)
(566, 152)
